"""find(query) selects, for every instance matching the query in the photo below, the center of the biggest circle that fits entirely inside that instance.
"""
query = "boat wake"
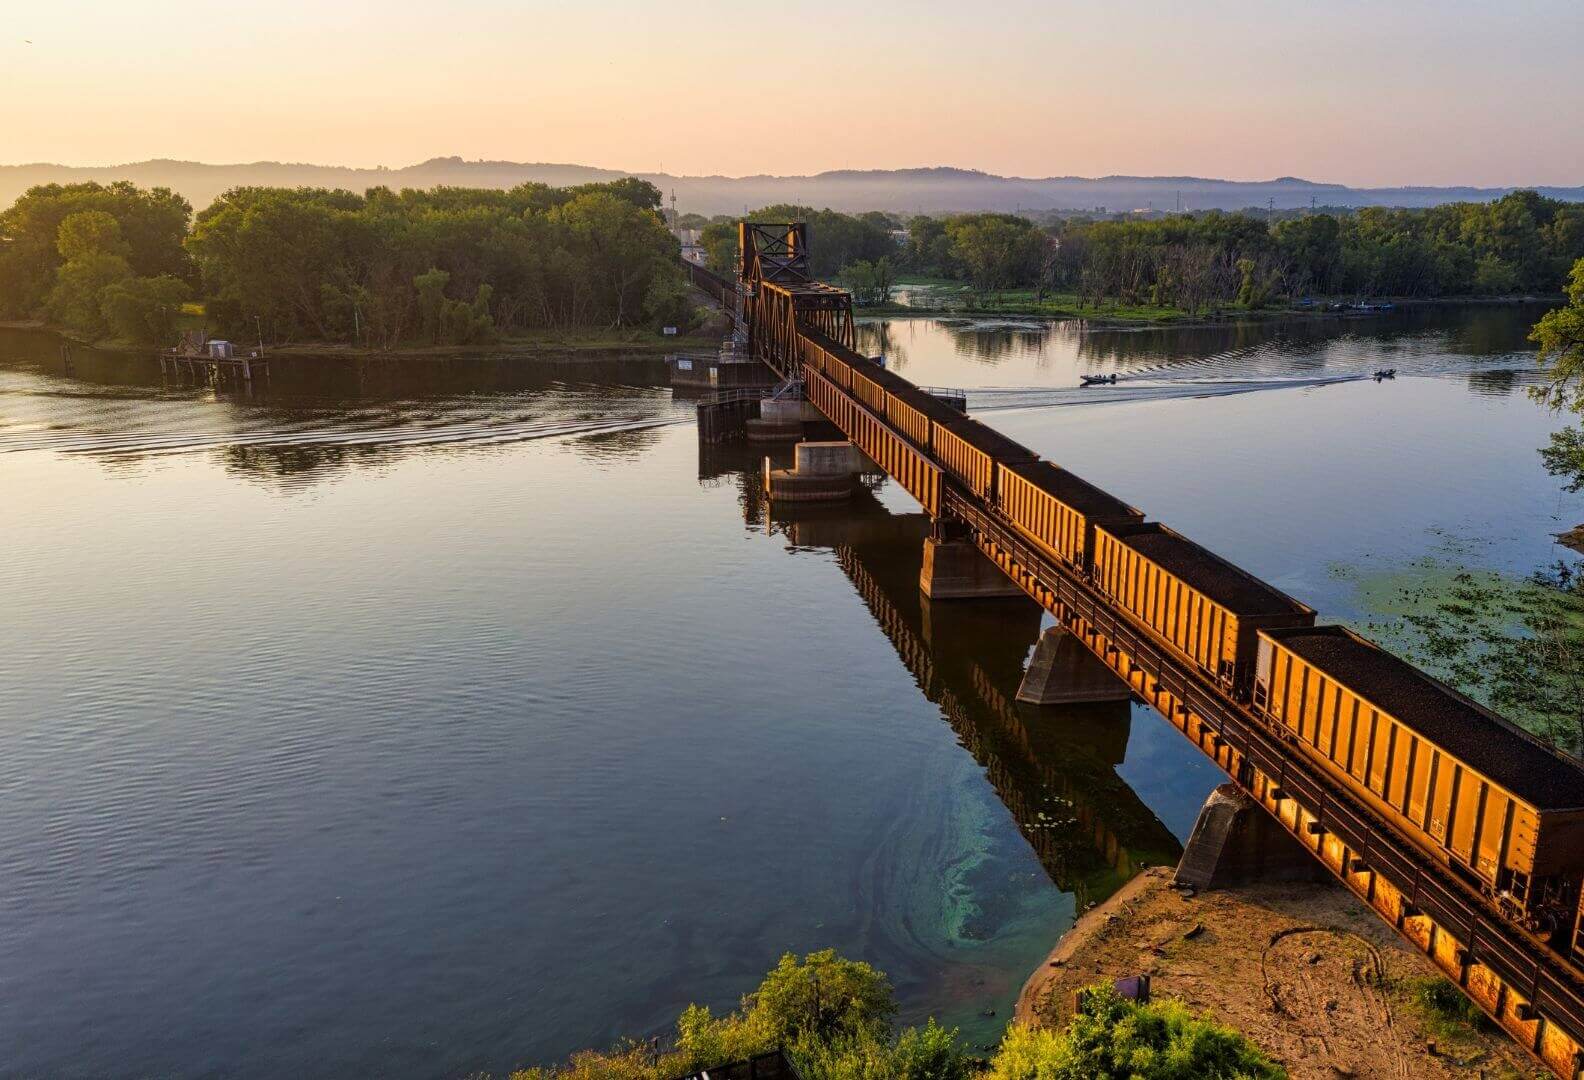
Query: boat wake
(1134, 389)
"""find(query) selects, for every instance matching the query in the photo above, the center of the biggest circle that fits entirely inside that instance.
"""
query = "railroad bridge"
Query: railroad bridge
(1461, 831)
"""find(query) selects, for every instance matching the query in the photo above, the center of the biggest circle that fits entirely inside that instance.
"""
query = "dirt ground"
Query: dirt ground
(1573, 538)
(1305, 970)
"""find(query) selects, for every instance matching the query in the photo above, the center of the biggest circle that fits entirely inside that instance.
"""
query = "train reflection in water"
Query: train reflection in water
(1053, 767)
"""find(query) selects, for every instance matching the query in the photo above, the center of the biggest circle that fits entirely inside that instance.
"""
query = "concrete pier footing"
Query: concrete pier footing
(780, 420)
(821, 472)
(957, 570)
(1064, 672)
(1235, 840)
(827, 459)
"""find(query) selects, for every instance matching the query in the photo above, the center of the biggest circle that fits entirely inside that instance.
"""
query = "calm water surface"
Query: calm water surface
(419, 719)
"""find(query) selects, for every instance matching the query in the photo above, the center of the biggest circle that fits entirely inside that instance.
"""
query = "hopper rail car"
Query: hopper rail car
(1460, 830)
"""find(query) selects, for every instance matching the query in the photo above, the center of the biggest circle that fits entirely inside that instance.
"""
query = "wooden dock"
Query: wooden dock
(211, 369)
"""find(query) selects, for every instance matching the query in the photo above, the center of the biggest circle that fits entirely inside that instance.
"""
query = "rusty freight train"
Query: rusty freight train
(1468, 788)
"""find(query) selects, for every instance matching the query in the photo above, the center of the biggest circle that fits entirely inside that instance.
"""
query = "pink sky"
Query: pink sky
(1419, 91)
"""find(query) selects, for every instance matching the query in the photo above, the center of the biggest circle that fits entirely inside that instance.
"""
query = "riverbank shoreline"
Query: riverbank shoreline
(1302, 969)
(548, 347)
(1176, 320)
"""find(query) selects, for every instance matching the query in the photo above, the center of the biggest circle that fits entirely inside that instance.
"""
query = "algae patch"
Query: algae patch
(1515, 644)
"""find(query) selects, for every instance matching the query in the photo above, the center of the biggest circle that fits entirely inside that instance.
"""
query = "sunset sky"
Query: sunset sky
(1405, 92)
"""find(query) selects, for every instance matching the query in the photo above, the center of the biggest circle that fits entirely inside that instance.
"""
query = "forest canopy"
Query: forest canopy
(461, 265)
(1522, 243)
(448, 265)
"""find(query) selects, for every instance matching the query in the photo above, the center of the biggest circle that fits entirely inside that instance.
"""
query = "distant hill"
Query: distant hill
(907, 190)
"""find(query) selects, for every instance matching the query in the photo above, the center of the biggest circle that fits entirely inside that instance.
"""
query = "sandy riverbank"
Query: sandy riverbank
(1305, 970)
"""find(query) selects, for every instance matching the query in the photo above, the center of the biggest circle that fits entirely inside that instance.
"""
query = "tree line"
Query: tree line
(1519, 244)
(444, 266)
(457, 265)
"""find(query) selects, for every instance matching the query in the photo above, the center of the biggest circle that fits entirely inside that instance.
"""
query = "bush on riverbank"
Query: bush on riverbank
(833, 1018)
(831, 1015)
(1112, 1038)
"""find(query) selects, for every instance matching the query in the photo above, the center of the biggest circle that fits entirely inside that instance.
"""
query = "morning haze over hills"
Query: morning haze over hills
(924, 190)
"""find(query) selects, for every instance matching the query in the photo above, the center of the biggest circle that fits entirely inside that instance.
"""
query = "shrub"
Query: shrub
(1113, 1039)
(704, 1040)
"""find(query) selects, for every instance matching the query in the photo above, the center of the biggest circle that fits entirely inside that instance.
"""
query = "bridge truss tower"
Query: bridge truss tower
(781, 298)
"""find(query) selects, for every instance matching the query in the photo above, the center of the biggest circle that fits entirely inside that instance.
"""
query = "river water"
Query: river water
(425, 718)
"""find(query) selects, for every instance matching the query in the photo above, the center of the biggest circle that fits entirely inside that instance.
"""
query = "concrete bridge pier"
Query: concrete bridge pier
(1065, 672)
(958, 570)
(821, 472)
(1235, 841)
(780, 420)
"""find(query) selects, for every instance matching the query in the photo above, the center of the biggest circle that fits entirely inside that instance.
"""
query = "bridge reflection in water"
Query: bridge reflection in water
(1053, 766)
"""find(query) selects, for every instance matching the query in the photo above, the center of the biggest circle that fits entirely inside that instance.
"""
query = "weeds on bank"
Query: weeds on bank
(1446, 1012)
(833, 1019)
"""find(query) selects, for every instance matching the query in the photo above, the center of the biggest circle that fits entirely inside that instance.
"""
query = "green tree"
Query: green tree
(94, 255)
(667, 302)
(997, 251)
(719, 241)
(929, 250)
(624, 247)
(1560, 335)
(445, 321)
(89, 232)
(1564, 457)
(1251, 290)
(832, 1016)
(144, 310)
(1494, 276)
(77, 299)
(823, 995)
(151, 224)
(639, 193)
(869, 282)
(1314, 246)
(431, 301)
